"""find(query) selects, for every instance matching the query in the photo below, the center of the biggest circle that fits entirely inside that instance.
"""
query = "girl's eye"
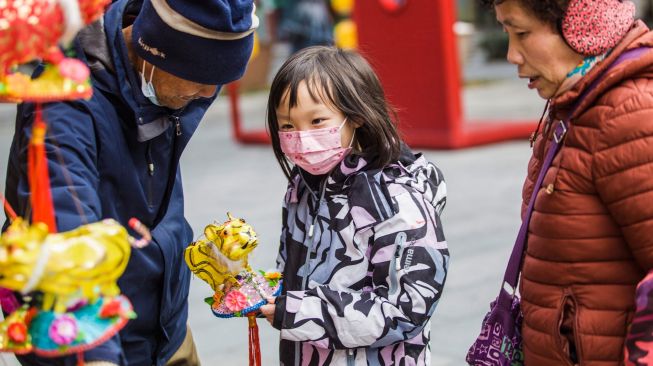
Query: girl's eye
(317, 121)
(285, 126)
(522, 34)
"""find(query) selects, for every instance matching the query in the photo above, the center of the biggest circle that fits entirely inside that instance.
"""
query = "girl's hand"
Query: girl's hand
(268, 310)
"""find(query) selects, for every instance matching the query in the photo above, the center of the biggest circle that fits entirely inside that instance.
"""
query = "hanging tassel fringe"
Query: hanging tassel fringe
(11, 214)
(39, 180)
(80, 359)
(254, 343)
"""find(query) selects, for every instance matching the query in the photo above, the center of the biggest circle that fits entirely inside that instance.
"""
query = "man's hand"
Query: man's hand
(268, 310)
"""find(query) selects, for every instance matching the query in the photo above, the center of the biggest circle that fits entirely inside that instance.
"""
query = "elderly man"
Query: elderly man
(156, 67)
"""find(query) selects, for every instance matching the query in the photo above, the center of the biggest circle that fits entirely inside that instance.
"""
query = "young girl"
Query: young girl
(362, 251)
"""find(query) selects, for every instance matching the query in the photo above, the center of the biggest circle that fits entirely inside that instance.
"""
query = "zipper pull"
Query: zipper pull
(177, 125)
(398, 258)
(150, 169)
(310, 230)
(400, 241)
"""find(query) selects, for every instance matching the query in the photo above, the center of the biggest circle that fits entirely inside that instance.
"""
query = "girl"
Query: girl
(362, 251)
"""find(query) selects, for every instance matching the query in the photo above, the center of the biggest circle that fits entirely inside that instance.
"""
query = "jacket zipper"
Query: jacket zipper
(150, 175)
(351, 357)
(559, 337)
(395, 264)
(177, 122)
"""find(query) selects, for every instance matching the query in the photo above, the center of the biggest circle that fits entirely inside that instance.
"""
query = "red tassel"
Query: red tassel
(39, 180)
(254, 343)
(80, 359)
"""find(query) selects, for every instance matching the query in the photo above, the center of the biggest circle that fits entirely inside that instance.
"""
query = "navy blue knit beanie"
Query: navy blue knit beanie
(204, 41)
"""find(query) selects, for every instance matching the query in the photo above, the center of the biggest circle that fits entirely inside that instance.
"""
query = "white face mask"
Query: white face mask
(147, 88)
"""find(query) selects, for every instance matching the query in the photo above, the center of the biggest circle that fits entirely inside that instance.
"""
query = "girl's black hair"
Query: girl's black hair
(344, 80)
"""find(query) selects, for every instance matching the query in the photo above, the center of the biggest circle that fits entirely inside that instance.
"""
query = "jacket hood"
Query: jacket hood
(638, 36)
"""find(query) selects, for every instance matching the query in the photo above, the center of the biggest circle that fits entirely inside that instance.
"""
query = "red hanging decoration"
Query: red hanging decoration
(39, 180)
(8, 209)
(254, 343)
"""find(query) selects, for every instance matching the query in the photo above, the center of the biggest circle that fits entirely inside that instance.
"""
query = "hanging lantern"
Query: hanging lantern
(33, 30)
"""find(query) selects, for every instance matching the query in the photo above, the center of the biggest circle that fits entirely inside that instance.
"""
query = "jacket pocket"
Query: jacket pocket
(566, 330)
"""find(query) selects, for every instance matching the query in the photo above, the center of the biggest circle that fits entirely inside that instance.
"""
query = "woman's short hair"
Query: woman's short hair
(549, 11)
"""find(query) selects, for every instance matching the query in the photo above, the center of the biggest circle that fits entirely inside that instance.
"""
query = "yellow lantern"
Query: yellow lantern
(345, 34)
(342, 7)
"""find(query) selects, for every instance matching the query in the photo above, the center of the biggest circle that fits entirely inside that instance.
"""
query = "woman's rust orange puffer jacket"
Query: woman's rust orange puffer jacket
(591, 234)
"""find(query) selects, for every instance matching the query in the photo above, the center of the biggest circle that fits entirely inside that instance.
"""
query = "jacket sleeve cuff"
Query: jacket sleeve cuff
(279, 311)
(109, 351)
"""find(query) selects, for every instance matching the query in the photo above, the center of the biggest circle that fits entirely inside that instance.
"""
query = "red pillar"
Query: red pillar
(414, 51)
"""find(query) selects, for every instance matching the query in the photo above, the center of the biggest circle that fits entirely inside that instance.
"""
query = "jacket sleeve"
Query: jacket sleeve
(71, 153)
(71, 150)
(623, 170)
(409, 261)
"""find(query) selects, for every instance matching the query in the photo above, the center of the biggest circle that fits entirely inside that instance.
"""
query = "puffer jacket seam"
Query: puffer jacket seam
(616, 146)
(533, 351)
(607, 203)
(534, 304)
(579, 238)
(600, 335)
(601, 137)
(575, 173)
(576, 261)
(547, 213)
(620, 171)
(616, 114)
(579, 284)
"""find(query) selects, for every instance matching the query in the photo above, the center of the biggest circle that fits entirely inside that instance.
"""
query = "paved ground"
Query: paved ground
(480, 220)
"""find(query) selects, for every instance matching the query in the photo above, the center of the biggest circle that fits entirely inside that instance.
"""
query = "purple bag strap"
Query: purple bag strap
(511, 275)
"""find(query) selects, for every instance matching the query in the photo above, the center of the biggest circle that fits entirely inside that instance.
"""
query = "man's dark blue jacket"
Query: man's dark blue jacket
(120, 158)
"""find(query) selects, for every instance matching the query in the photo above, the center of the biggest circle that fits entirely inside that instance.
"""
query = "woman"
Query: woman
(591, 233)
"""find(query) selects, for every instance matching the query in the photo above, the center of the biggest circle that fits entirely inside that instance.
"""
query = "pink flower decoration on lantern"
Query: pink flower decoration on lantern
(74, 69)
(63, 330)
(235, 301)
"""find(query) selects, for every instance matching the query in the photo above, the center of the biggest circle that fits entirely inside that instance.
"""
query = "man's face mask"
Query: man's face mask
(316, 151)
(147, 88)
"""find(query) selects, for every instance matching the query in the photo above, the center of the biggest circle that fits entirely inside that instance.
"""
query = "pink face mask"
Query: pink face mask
(316, 151)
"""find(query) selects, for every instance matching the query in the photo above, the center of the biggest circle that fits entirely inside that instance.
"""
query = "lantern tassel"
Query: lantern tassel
(254, 343)
(39, 180)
